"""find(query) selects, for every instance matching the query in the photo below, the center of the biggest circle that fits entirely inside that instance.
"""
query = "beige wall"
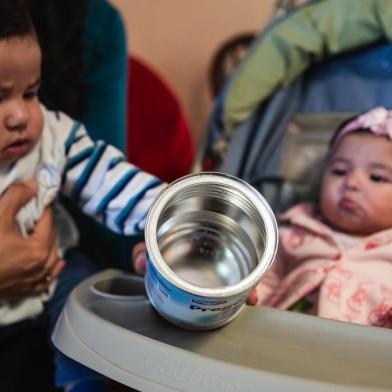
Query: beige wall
(178, 39)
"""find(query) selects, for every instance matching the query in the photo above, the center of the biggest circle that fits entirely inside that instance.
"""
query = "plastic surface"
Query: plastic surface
(109, 325)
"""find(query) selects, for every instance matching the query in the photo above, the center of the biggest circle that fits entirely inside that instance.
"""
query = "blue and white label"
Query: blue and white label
(186, 309)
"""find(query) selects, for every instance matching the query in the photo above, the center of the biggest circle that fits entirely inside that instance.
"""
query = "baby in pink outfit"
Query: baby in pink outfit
(335, 257)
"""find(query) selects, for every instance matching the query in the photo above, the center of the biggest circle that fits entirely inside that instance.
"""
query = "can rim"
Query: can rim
(251, 194)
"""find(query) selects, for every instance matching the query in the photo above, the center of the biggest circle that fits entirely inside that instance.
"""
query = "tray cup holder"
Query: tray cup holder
(127, 288)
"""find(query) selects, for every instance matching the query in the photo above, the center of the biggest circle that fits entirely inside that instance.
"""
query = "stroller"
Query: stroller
(301, 77)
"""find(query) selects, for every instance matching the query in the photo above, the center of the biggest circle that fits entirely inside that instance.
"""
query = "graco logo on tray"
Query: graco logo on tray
(177, 373)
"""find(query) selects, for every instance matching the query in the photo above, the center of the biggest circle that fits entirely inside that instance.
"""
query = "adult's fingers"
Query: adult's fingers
(43, 285)
(42, 246)
(45, 268)
(39, 288)
(58, 267)
(54, 264)
(33, 284)
(20, 290)
(15, 197)
(44, 232)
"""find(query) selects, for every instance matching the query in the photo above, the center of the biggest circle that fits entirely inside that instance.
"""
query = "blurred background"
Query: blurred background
(178, 39)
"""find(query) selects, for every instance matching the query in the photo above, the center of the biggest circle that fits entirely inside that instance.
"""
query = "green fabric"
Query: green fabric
(316, 31)
(106, 73)
(303, 305)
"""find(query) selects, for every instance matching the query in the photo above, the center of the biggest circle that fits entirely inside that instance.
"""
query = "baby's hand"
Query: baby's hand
(139, 258)
(252, 299)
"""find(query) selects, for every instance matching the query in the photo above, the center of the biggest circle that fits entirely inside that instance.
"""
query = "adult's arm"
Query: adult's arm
(27, 265)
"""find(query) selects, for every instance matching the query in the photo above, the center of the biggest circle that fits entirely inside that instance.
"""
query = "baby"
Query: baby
(56, 152)
(335, 257)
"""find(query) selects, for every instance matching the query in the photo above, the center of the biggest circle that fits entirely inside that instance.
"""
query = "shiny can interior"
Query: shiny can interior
(211, 235)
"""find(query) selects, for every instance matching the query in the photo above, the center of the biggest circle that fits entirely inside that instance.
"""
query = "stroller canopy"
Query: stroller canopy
(323, 58)
(309, 35)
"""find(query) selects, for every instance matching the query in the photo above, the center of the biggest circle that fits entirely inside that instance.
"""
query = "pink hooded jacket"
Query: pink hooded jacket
(351, 284)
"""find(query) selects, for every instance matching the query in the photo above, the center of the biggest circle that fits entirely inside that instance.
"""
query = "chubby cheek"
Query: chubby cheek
(326, 206)
(327, 194)
(329, 201)
(36, 125)
(4, 161)
(379, 208)
(2, 140)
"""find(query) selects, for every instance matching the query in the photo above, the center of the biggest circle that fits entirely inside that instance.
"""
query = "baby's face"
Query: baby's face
(21, 119)
(356, 194)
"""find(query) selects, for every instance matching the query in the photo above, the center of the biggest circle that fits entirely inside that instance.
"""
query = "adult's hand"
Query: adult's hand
(27, 265)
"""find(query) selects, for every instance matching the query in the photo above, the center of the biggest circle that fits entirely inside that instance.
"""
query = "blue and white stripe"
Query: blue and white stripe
(98, 177)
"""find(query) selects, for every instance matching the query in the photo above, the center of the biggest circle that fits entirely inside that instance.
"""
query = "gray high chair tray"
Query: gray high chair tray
(109, 326)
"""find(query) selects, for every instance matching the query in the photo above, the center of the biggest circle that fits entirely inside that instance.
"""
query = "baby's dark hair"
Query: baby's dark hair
(15, 20)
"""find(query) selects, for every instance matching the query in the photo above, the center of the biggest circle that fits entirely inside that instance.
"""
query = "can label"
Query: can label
(186, 309)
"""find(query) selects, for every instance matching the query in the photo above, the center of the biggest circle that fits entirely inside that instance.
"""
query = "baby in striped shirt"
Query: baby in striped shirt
(57, 153)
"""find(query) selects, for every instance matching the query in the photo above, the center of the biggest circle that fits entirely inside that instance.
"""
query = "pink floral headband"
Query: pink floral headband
(377, 121)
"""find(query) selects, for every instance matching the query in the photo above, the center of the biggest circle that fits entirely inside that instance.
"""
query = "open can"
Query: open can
(210, 237)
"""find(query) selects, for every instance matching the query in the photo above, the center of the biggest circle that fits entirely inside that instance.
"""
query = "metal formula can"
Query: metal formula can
(210, 237)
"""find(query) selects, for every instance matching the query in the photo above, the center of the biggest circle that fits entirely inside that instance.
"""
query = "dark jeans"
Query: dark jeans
(77, 269)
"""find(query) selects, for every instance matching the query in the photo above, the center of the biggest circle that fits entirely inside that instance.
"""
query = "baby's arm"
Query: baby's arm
(105, 186)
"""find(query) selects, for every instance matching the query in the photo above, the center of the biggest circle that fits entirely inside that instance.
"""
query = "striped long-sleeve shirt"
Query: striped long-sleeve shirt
(95, 174)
